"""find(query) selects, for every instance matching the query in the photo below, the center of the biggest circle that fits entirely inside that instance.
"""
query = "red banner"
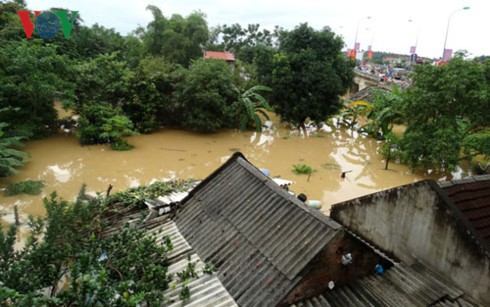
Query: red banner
(351, 53)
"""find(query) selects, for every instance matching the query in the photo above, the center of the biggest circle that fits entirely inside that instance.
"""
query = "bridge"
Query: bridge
(363, 79)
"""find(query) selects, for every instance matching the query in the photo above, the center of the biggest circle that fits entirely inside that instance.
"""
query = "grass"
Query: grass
(29, 187)
(302, 169)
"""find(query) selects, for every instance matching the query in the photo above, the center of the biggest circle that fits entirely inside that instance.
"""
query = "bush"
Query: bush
(29, 187)
(102, 123)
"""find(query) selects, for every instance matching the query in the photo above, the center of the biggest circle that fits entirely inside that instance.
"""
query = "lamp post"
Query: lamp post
(447, 29)
(357, 31)
(416, 37)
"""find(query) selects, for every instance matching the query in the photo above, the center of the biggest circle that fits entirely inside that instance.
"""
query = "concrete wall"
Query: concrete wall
(415, 223)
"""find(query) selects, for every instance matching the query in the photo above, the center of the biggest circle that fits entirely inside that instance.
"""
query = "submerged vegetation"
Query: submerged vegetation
(302, 169)
(29, 187)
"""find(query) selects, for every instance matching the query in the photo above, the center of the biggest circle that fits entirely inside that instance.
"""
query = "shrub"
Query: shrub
(29, 187)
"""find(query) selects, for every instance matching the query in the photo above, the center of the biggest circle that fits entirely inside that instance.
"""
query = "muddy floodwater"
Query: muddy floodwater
(64, 165)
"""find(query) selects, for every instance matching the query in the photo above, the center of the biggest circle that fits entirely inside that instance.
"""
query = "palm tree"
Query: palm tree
(253, 104)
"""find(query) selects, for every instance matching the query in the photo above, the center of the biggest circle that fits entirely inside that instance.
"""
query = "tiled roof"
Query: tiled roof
(472, 197)
(258, 235)
(227, 56)
(401, 285)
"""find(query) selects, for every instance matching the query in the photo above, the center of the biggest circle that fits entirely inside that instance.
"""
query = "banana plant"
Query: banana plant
(253, 104)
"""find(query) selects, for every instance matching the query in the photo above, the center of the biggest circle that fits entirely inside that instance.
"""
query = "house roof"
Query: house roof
(227, 56)
(402, 285)
(205, 289)
(258, 235)
(472, 197)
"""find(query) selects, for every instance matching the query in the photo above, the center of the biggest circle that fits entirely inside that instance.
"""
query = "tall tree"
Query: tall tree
(178, 39)
(33, 76)
(446, 110)
(207, 96)
(309, 74)
(102, 79)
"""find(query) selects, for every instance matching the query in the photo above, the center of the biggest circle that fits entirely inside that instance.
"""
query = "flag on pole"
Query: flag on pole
(357, 46)
(369, 48)
(448, 54)
(370, 54)
(412, 50)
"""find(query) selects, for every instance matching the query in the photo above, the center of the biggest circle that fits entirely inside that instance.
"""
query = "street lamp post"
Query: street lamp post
(416, 37)
(447, 29)
(357, 31)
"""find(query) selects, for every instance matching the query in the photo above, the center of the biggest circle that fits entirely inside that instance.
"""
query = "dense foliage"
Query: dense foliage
(33, 76)
(101, 123)
(206, 96)
(447, 113)
(309, 75)
(74, 257)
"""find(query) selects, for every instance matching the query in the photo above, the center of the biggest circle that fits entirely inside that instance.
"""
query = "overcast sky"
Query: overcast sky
(388, 28)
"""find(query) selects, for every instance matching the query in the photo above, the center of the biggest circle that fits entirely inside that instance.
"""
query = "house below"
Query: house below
(445, 226)
(270, 249)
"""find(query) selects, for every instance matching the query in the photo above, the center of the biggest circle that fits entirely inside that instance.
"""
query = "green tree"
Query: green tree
(102, 79)
(206, 97)
(444, 109)
(178, 39)
(10, 26)
(128, 268)
(309, 74)
(90, 42)
(149, 104)
(102, 123)
(33, 76)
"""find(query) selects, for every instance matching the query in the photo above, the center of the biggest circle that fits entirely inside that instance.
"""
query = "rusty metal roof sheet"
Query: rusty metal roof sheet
(472, 197)
(258, 235)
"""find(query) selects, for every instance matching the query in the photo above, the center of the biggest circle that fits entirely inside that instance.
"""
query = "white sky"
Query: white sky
(388, 29)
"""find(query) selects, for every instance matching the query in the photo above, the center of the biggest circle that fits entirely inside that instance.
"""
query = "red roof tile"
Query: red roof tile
(227, 56)
(472, 197)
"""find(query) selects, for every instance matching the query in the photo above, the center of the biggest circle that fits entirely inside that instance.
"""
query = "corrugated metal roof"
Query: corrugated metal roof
(205, 290)
(258, 235)
(227, 56)
(402, 285)
(472, 197)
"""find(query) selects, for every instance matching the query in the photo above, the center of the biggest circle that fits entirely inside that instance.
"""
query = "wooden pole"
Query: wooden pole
(109, 188)
(16, 214)
(388, 157)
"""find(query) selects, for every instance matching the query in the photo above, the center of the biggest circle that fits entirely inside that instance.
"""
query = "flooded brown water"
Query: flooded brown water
(64, 165)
